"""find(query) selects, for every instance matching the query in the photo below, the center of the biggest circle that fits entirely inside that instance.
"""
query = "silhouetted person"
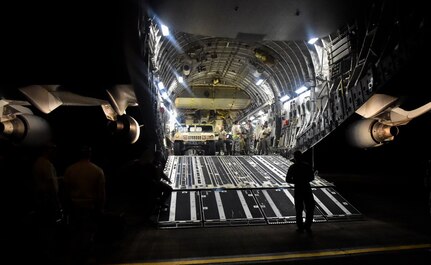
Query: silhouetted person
(300, 174)
(153, 165)
(48, 208)
(161, 180)
(46, 185)
(84, 184)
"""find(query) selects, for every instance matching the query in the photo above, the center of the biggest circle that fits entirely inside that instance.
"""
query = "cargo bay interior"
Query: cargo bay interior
(113, 77)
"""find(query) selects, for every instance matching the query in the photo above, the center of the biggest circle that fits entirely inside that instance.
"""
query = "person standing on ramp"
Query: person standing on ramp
(301, 174)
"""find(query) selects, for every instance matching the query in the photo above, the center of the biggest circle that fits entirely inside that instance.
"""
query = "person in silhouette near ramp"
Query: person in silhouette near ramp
(301, 174)
(85, 192)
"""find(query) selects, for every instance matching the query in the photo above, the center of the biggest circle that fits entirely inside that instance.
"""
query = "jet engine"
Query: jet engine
(126, 127)
(26, 129)
(369, 133)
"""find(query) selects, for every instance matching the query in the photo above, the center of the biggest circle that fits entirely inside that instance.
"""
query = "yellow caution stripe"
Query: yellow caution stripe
(284, 256)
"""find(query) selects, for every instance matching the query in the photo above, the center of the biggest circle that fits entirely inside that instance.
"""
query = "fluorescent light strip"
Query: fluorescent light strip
(284, 98)
(313, 40)
(259, 82)
(301, 90)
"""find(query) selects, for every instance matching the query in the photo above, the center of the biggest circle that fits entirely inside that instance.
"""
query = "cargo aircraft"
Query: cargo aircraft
(302, 66)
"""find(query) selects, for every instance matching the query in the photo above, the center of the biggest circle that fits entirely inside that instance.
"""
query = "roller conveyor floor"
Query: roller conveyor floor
(241, 190)
(230, 172)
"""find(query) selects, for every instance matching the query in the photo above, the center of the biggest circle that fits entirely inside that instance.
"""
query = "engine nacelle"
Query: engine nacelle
(27, 129)
(126, 127)
(369, 133)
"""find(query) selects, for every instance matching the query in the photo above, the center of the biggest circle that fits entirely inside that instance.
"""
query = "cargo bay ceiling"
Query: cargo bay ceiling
(252, 63)
(248, 57)
(221, 73)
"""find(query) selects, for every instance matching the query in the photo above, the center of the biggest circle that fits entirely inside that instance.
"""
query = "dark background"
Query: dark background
(68, 42)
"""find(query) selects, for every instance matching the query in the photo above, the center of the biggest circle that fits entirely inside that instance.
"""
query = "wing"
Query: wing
(20, 124)
(382, 114)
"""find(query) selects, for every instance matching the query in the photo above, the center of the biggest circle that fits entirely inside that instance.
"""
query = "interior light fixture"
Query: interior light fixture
(312, 40)
(180, 79)
(165, 30)
(301, 90)
(160, 85)
(259, 82)
(284, 98)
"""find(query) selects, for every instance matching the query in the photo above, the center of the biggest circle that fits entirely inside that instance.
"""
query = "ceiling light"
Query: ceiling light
(165, 30)
(160, 85)
(312, 40)
(259, 82)
(284, 98)
(301, 90)
(180, 79)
